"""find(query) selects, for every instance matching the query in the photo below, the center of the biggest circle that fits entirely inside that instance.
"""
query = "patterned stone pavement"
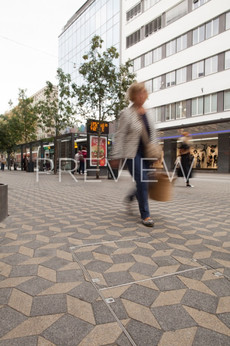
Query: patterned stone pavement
(76, 268)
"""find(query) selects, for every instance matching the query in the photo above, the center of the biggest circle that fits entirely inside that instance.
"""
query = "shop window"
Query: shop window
(157, 114)
(227, 59)
(148, 58)
(149, 86)
(210, 103)
(171, 48)
(198, 3)
(170, 79)
(177, 12)
(198, 34)
(227, 100)
(198, 70)
(157, 54)
(133, 12)
(212, 28)
(197, 106)
(170, 111)
(157, 83)
(181, 109)
(211, 65)
(181, 43)
(227, 20)
(181, 75)
(137, 64)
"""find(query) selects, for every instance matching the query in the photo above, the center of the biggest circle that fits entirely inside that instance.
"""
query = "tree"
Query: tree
(56, 111)
(25, 114)
(102, 95)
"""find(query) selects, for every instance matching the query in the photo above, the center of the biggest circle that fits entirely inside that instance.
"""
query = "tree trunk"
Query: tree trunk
(55, 154)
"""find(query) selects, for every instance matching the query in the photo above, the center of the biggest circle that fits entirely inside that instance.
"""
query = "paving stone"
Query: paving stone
(15, 259)
(143, 334)
(207, 337)
(27, 341)
(140, 294)
(47, 305)
(144, 269)
(24, 270)
(85, 292)
(225, 318)
(200, 300)
(55, 263)
(67, 331)
(35, 286)
(118, 278)
(169, 283)
(173, 317)
(98, 266)
(9, 319)
(103, 315)
(5, 295)
(69, 275)
(220, 287)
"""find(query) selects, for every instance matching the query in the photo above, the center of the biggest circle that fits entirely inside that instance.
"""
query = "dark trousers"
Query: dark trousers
(141, 192)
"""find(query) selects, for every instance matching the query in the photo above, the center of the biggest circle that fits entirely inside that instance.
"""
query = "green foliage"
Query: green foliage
(26, 117)
(10, 133)
(103, 93)
(56, 111)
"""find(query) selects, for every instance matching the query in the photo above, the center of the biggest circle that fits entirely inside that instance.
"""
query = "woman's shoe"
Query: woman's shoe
(148, 222)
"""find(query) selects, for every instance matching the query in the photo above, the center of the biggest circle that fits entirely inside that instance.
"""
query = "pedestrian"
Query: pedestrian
(186, 157)
(135, 129)
(77, 162)
(3, 162)
(82, 159)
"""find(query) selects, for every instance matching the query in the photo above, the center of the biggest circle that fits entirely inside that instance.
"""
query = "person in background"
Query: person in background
(186, 158)
(77, 163)
(82, 159)
(135, 124)
(3, 162)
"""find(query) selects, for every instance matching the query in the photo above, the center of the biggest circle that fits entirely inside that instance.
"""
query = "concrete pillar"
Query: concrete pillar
(170, 148)
(224, 153)
(3, 201)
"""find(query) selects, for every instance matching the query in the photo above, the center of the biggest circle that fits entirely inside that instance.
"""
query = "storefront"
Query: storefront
(210, 146)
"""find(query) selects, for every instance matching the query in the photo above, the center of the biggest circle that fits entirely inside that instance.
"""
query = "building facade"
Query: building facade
(95, 17)
(181, 50)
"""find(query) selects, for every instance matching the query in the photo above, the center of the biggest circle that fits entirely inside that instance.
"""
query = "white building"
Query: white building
(181, 50)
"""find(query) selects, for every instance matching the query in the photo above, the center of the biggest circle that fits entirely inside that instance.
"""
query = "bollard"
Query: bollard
(3, 201)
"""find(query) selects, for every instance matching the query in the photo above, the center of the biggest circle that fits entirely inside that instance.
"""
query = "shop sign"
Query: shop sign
(93, 126)
(102, 151)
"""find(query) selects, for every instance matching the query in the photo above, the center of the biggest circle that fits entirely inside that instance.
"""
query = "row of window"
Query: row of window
(198, 106)
(171, 14)
(198, 69)
(199, 34)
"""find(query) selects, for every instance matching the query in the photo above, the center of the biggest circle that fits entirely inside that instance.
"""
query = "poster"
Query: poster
(102, 151)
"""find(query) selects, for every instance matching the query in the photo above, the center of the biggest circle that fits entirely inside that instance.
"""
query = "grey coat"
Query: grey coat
(127, 137)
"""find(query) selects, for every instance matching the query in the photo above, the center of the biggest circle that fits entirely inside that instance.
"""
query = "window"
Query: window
(181, 75)
(170, 111)
(176, 12)
(171, 48)
(227, 20)
(212, 28)
(157, 114)
(198, 3)
(198, 70)
(198, 34)
(153, 26)
(170, 79)
(227, 100)
(149, 86)
(137, 64)
(227, 59)
(211, 65)
(133, 38)
(157, 54)
(197, 106)
(180, 109)
(210, 103)
(157, 82)
(133, 12)
(149, 3)
(148, 58)
(181, 43)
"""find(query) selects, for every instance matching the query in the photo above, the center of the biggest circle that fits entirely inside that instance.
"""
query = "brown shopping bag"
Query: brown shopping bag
(161, 189)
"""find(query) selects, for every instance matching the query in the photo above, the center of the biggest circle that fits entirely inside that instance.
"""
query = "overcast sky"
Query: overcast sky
(29, 31)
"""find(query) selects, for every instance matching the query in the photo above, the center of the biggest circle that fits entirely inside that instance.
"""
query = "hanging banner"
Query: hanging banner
(102, 151)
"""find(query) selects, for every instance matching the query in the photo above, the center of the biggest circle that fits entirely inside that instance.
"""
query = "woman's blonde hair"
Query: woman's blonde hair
(134, 89)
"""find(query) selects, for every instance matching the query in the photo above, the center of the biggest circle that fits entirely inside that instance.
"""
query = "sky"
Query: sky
(29, 31)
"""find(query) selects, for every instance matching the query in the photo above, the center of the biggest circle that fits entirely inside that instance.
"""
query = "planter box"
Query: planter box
(3, 201)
